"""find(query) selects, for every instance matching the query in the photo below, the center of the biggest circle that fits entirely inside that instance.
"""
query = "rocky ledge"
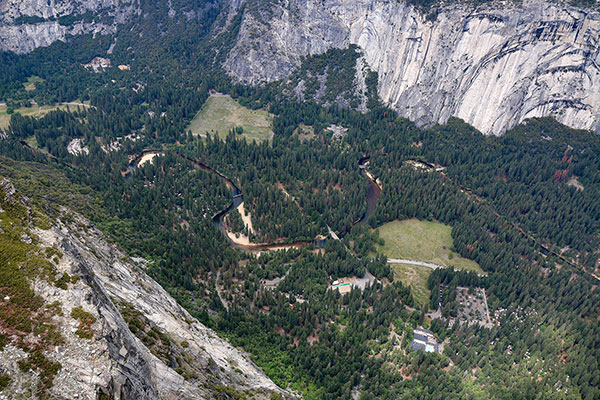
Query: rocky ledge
(109, 331)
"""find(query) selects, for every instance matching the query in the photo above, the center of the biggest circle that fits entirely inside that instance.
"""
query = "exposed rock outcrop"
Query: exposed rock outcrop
(28, 24)
(493, 66)
(101, 298)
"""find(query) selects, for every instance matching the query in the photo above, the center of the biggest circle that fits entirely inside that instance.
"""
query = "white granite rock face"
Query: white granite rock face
(493, 67)
(21, 36)
(112, 278)
(283, 31)
(114, 361)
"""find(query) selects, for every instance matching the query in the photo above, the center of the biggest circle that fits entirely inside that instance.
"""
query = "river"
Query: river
(237, 198)
(373, 192)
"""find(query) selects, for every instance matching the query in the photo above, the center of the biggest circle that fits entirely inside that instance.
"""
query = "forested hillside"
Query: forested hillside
(523, 206)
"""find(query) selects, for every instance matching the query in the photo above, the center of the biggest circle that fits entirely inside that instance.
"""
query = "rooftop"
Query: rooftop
(423, 339)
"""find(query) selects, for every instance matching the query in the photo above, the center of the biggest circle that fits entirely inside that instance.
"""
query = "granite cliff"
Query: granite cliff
(80, 319)
(492, 66)
(28, 24)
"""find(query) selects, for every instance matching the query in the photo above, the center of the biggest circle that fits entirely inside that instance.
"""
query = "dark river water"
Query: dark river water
(373, 194)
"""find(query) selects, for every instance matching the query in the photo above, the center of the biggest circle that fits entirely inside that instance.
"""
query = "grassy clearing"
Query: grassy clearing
(32, 142)
(31, 82)
(414, 276)
(221, 113)
(423, 241)
(304, 132)
(34, 111)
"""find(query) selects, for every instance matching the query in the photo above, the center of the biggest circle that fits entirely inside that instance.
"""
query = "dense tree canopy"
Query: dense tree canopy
(524, 206)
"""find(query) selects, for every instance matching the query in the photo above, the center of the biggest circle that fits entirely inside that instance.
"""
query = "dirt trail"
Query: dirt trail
(219, 290)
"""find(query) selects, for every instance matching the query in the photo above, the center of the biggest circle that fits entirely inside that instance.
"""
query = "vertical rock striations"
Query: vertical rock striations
(198, 360)
(28, 24)
(99, 327)
(493, 66)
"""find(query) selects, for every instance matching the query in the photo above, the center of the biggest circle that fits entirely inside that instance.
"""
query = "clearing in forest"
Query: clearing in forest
(426, 241)
(221, 113)
(33, 111)
(31, 83)
(472, 306)
(147, 158)
(304, 132)
(415, 277)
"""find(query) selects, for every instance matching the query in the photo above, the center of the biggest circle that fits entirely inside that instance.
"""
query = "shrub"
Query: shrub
(85, 322)
(4, 381)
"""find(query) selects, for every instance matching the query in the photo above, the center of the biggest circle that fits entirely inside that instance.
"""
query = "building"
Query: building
(423, 339)
(344, 285)
(345, 288)
(98, 64)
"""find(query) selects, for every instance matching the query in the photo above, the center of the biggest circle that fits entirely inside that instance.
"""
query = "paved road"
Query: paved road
(421, 263)
(436, 314)
(415, 262)
(488, 323)
(72, 103)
